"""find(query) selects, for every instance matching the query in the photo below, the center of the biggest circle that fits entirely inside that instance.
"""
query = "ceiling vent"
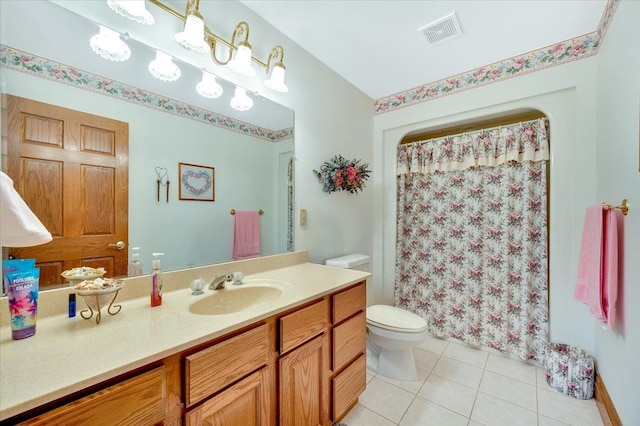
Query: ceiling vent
(441, 30)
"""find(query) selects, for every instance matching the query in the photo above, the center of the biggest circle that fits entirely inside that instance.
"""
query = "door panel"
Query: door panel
(71, 168)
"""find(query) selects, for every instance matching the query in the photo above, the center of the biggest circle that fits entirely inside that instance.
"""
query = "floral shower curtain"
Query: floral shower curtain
(472, 237)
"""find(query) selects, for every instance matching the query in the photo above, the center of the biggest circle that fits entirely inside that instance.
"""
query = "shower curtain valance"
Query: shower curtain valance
(520, 142)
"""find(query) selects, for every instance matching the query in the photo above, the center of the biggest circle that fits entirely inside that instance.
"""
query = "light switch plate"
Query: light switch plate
(303, 217)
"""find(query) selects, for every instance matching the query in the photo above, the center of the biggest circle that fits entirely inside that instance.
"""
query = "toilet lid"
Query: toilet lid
(393, 318)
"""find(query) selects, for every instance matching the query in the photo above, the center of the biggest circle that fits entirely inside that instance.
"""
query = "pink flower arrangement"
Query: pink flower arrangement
(340, 174)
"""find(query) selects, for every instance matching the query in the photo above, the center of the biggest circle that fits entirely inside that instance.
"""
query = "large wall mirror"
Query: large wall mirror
(250, 153)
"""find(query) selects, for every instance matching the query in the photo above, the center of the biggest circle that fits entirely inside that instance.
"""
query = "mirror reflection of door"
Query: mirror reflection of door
(71, 168)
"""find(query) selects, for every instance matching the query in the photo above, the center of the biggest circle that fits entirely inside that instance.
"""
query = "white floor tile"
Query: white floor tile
(457, 371)
(422, 412)
(412, 386)
(361, 416)
(512, 368)
(386, 399)
(434, 344)
(425, 360)
(547, 421)
(493, 411)
(567, 409)
(449, 394)
(541, 380)
(466, 354)
(510, 390)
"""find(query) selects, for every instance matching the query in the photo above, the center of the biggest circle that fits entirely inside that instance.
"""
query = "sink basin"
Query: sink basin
(232, 299)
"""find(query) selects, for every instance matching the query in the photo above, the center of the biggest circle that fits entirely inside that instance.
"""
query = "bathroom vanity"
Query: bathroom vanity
(299, 360)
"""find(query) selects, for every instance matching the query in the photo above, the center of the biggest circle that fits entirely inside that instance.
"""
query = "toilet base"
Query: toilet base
(395, 364)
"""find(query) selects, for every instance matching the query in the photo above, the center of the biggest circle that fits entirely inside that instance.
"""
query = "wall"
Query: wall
(331, 117)
(566, 94)
(617, 168)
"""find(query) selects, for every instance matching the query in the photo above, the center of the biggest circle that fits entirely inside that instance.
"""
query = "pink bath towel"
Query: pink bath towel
(597, 283)
(246, 235)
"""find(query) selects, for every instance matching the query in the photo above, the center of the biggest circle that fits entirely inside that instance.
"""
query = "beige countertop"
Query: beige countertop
(69, 354)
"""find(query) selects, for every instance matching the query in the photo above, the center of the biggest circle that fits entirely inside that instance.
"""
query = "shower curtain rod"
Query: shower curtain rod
(546, 121)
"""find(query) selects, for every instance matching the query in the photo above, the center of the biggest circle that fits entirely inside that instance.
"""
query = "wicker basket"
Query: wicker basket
(569, 370)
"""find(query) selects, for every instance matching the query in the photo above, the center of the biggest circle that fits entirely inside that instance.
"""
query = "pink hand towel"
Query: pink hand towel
(246, 235)
(597, 283)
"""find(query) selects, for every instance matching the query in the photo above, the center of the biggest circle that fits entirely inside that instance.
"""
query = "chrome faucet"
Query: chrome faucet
(218, 282)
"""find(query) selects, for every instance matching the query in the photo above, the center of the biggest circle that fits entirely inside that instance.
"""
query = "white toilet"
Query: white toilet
(392, 333)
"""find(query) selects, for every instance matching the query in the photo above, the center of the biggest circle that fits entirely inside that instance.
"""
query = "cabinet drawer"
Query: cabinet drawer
(300, 326)
(211, 369)
(349, 340)
(348, 302)
(136, 401)
(347, 386)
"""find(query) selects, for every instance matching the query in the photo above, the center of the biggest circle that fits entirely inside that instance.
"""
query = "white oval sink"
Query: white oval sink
(232, 299)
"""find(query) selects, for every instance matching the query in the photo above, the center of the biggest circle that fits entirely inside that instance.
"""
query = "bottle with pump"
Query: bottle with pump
(135, 267)
(156, 281)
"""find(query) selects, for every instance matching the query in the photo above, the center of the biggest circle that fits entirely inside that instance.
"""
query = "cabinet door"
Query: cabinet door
(303, 390)
(247, 403)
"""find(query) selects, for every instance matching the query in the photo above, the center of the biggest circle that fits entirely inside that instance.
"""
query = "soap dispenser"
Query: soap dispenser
(156, 281)
(135, 267)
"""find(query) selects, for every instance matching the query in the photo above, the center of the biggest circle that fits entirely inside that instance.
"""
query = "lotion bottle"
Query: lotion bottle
(156, 281)
(135, 267)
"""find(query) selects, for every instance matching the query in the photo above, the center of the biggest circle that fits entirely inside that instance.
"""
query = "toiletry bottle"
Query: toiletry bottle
(156, 281)
(135, 267)
(72, 305)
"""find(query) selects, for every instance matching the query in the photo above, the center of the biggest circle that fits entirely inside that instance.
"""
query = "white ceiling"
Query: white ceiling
(375, 45)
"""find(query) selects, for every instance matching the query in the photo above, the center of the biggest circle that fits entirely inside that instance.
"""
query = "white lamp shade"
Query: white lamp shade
(241, 64)
(209, 87)
(276, 82)
(241, 102)
(19, 227)
(193, 35)
(132, 9)
(163, 68)
(107, 43)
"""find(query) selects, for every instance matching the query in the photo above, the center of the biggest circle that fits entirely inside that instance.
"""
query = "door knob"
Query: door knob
(120, 245)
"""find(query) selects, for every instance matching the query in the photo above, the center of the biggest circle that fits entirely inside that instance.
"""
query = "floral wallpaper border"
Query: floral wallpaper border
(41, 67)
(550, 56)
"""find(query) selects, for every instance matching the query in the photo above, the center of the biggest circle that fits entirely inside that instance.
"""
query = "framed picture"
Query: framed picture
(197, 183)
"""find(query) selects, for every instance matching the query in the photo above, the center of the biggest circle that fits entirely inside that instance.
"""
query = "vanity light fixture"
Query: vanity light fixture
(238, 50)
(132, 9)
(108, 44)
(241, 63)
(241, 101)
(192, 37)
(276, 82)
(163, 67)
(209, 87)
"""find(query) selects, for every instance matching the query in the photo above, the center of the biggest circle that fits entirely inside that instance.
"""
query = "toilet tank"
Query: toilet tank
(359, 262)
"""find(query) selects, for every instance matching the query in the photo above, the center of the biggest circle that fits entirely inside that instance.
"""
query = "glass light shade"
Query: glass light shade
(132, 9)
(209, 87)
(276, 82)
(241, 102)
(193, 35)
(241, 64)
(163, 68)
(107, 43)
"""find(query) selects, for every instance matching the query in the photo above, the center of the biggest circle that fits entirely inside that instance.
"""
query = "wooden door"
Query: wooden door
(303, 389)
(71, 168)
(247, 403)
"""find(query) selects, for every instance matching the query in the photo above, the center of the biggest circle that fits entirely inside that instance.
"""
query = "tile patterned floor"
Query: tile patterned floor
(461, 385)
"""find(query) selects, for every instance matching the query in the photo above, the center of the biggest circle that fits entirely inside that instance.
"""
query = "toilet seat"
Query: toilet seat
(395, 319)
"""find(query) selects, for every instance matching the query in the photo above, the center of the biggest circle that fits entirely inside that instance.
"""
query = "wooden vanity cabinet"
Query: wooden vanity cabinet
(348, 359)
(305, 366)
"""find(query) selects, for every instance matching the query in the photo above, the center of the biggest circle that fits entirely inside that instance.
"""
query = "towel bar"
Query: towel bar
(233, 212)
(624, 206)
